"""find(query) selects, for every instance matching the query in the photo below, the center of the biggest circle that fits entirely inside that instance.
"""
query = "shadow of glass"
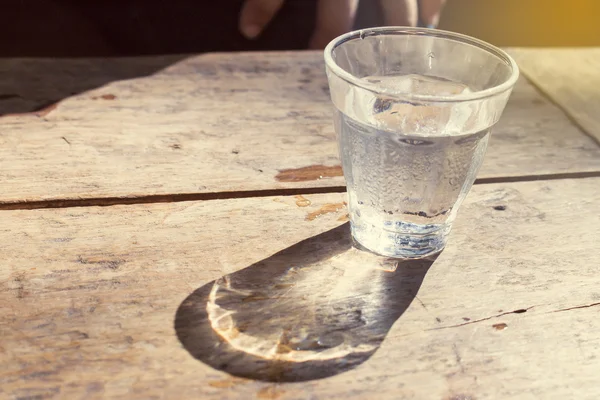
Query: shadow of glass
(313, 310)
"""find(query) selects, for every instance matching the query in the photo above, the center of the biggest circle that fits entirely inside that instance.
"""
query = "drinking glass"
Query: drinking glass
(414, 109)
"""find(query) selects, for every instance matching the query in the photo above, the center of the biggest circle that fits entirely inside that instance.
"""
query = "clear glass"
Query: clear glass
(414, 111)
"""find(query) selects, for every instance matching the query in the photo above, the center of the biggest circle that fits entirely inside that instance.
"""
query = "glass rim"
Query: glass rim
(402, 30)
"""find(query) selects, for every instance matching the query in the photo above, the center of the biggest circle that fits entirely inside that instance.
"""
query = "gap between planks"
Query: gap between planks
(565, 110)
(174, 198)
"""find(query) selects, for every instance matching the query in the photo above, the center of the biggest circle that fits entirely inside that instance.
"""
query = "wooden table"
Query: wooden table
(134, 188)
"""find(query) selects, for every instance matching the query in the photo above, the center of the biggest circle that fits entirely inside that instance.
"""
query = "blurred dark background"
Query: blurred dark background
(64, 28)
(75, 28)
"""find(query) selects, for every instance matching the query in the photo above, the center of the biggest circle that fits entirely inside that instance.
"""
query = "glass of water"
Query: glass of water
(414, 111)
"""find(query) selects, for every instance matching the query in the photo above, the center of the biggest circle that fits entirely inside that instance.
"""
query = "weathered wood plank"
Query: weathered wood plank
(571, 77)
(89, 296)
(222, 122)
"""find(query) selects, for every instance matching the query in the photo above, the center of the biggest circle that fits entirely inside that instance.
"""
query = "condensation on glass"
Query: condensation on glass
(414, 112)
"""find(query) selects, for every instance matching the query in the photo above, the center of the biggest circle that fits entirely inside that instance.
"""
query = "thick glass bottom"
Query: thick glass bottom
(414, 241)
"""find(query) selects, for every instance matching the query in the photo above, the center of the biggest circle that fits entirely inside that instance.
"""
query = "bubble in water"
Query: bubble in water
(416, 142)
(382, 105)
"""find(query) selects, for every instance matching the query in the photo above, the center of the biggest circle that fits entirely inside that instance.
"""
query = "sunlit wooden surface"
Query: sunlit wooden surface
(222, 267)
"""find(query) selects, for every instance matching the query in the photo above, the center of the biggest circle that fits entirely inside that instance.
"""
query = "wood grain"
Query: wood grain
(88, 298)
(570, 77)
(217, 123)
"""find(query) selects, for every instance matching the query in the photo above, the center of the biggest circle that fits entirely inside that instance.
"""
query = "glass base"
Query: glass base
(419, 242)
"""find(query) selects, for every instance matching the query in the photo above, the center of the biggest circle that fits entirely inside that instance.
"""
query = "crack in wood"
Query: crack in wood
(535, 82)
(519, 311)
(576, 307)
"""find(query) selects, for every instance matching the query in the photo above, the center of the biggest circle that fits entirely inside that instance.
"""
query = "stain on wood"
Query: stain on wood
(270, 393)
(500, 326)
(344, 218)
(107, 96)
(302, 201)
(227, 383)
(326, 209)
(310, 173)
